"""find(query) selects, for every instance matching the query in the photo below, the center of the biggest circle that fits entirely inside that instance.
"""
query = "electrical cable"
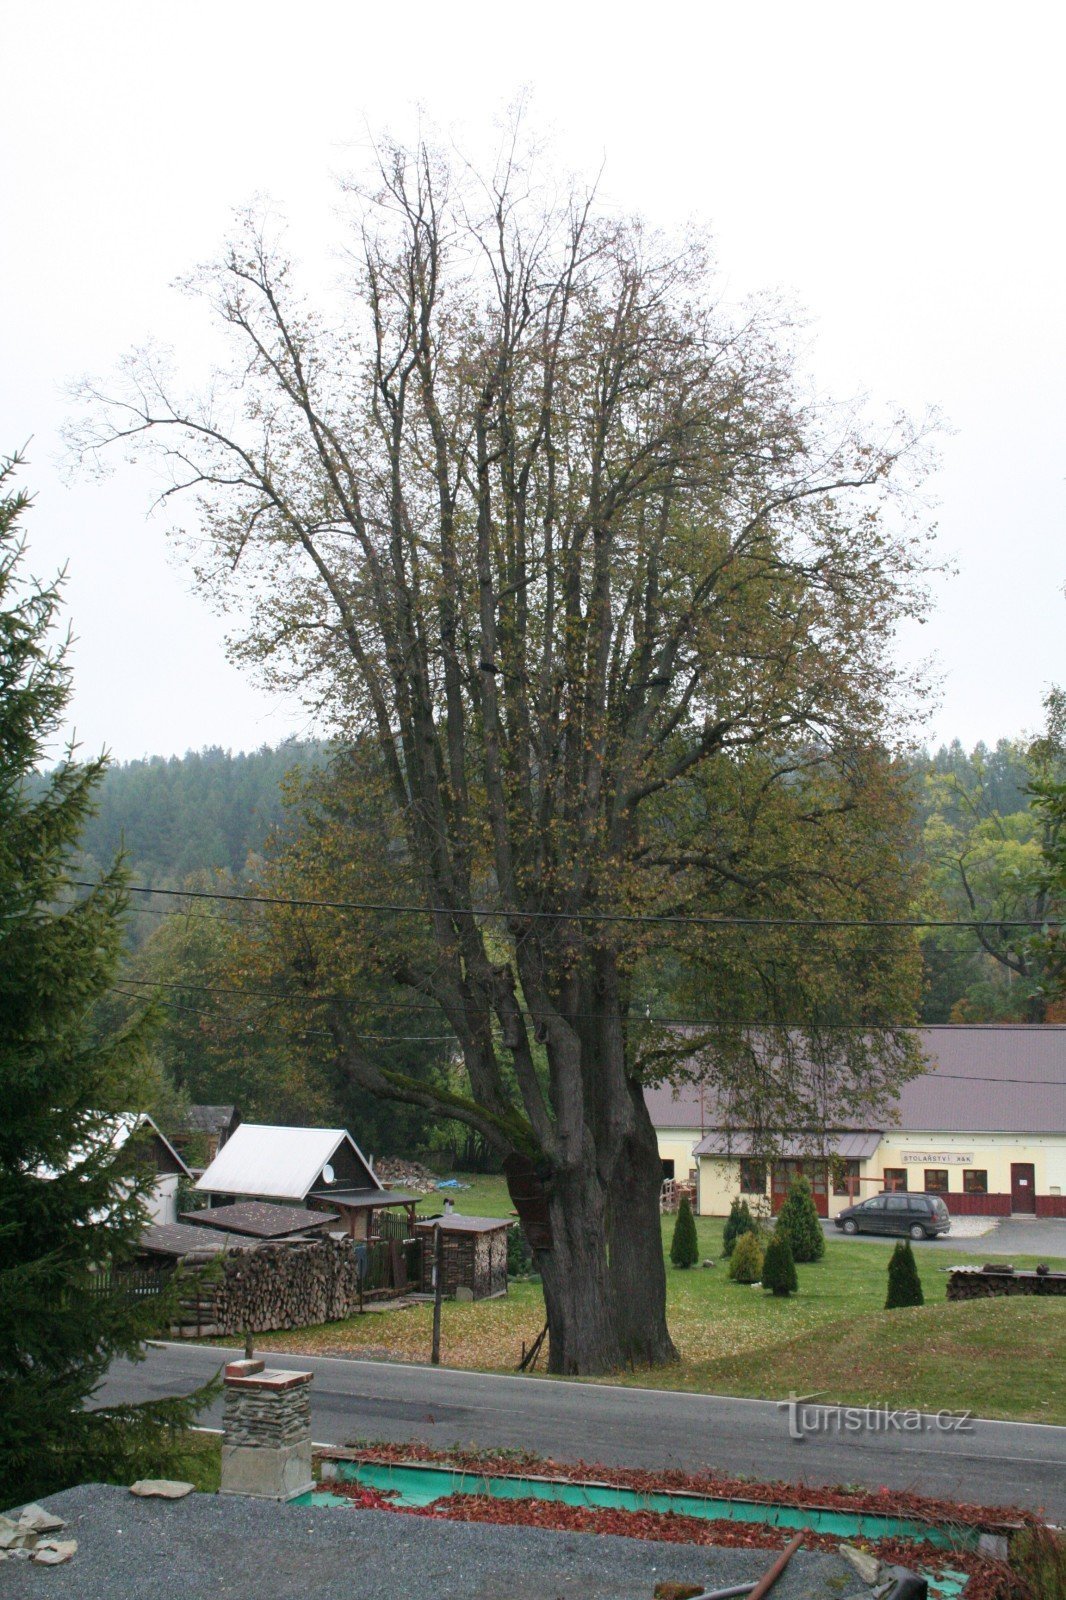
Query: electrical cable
(370, 907)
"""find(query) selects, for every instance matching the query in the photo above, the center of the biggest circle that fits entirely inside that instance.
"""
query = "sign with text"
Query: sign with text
(938, 1158)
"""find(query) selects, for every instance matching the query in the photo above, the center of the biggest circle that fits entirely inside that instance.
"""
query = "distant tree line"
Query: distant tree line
(208, 811)
(981, 833)
(236, 1028)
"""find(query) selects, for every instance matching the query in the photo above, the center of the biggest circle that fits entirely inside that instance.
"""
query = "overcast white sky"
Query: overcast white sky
(896, 168)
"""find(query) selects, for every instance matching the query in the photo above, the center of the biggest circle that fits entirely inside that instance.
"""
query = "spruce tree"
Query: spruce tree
(685, 1246)
(739, 1220)
(746, 1263)
(779, 1267)
(69, 1201)
(798, 1221)
(904, 1284)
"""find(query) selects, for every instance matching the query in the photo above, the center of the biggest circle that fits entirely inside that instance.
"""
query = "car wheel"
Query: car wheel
(850, 1225)
(917, 1231)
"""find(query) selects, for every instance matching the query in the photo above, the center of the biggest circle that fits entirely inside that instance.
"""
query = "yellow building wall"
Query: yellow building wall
(676, 1145)
(719, 1186)
(989, 1152)
(719, 1177)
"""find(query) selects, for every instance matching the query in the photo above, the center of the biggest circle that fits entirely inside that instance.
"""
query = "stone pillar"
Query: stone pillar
(266, 1432)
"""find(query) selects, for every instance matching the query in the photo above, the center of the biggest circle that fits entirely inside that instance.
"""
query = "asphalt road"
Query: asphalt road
(1008, 1463)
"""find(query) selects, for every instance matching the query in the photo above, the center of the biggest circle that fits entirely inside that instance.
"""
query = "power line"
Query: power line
(639, 1012)
(449, 1038)
(320, 1033)
(373, 907)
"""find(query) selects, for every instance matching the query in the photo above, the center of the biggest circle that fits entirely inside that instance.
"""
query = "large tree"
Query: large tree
(72, 1189)
(524, 511)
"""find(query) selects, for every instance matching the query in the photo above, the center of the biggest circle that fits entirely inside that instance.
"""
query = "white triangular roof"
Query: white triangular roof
(113, 1134)
(272, 1163)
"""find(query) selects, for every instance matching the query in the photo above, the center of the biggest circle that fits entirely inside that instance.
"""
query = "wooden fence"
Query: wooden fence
(132, 1283)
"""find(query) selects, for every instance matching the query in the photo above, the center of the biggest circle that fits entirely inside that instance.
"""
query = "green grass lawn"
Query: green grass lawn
(1002, 1358)
(196, 1459)
(486, 1196)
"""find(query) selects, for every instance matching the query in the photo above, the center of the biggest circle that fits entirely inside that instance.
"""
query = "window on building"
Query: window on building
(896, 1178)
(668, 1168)
(752, 1177)
(842, 1171)
(936, 1180)
(974, 1181)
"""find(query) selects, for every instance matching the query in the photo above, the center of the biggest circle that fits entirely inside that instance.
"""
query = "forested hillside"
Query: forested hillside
(204, 811)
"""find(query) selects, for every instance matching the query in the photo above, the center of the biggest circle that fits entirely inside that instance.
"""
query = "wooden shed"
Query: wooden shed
(474, 1251)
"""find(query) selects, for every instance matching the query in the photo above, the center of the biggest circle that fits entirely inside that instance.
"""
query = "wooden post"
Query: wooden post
(438, 1289)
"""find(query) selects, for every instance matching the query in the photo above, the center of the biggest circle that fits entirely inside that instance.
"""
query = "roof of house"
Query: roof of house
(985, 1078)
(207, 1119)
(112, 1134)
(178, 1239)
(456, 1223)
(260, 1219)
(273, 1163)
(365, 1199)
(744, 1142)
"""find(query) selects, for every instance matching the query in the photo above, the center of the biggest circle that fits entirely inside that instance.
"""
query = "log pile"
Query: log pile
(398, 1174)
(973, 1283)
(273, 1286)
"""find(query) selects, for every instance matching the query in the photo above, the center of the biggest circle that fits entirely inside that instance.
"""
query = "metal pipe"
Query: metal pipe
(769, 1578)
(726, 1594)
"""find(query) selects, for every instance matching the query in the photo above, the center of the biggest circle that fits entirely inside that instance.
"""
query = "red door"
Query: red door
(782, 1175)
(1023, 1187)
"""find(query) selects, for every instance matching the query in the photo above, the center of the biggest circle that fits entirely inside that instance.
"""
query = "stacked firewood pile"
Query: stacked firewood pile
(272, 1286)
(979, 1283)
(398, 1174)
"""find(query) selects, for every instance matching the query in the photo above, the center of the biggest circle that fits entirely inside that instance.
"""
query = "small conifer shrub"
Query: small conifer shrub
(779, 1267)
(904, 1284)
(739, 1220)
(684, 1247)
(799, 1222)
(745, 1264)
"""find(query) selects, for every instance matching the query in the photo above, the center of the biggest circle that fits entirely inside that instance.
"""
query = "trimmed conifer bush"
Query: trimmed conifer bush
(684, 1247)
(904, 1284)
(798, 1221)
(779, 1268)
(739, 1220)
(745, 1265)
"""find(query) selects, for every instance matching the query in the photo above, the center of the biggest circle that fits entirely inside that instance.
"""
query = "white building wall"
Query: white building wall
(163, 1200)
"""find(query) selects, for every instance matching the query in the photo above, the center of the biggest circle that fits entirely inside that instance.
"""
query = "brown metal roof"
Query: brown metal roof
(742, 1142)
(364, 1199)
(455, 1223)
(982, 1079)
(260, 1219)
(207, 1119)
(178, 1239)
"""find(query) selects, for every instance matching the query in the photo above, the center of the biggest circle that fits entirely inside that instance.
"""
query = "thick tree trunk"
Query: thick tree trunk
(598, 1249)
(635, 1251)
(574, 1273)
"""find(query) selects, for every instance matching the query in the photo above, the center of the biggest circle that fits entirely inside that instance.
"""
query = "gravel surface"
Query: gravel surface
(209, 1546)
(1006, 1236)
